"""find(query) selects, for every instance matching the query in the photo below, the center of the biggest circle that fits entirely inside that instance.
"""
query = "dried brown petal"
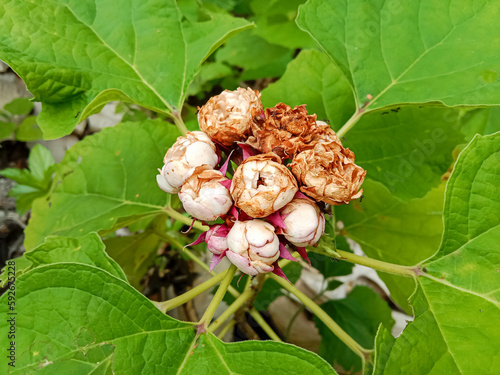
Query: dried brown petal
(284, 130)
(327, 173)
(262, 185)
(227, 117)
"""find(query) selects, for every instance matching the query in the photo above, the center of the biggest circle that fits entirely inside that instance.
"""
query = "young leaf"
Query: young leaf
(106, 180)
(89, 321)
(313, 79)
(34, 182)
(360, 315)
(457, 299)
(395, 232)
(410, 52)
(19, 106)
(145, 52)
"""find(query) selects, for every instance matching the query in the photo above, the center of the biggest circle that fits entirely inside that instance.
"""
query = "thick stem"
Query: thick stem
(183, 298)
(378, 265)
(183, 219)
(263, 324)
(231, 310)
(226, 329)
(324, 317)
(179, 123)
(216, 300)
(350, 123)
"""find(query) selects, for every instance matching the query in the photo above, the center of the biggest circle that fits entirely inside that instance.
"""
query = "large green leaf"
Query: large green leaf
(457, 301)
(395, 232)
(104, 181)
(312, 79)
(413, 51)
(407, 149)
(359, 314)
(138, 51)
(88, 321)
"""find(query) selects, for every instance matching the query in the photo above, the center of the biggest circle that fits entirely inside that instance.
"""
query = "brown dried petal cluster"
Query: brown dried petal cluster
(327, 173)
(227, 117)
(284, 130)
(262, 185)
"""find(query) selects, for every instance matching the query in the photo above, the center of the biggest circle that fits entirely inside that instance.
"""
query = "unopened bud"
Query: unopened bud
(304, 222)
(253, 246)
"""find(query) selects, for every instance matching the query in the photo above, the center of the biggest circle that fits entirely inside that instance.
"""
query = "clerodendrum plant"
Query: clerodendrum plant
(402, 83)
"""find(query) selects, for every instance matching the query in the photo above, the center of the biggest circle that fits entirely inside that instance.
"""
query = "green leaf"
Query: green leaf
(87, 250)
(457, 299)
(251, 52)
(19, 106)
(6, 129)
(410, 52)
(275, 23)
(28, 130)
(146, 53)
(407, 149)
(134, 254)
(360, 315)
(482, 121)
(105, 181)
(395, 232)
(89, 321)
(312, 79)
(33, 182)
(209, 72)
(40, 161)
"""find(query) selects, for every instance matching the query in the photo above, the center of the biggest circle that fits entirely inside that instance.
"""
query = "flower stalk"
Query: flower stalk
(324, 317)
(216, 300)
(189, 295)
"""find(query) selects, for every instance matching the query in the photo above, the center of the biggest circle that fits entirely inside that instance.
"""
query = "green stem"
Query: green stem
(263, 324)
(226, 329)
(183, 219)
(350, 123)
(324, 317)
(231, 310)
(216, 300)
(378, 265)
(183, 298)
(179, 123)
(253, 312)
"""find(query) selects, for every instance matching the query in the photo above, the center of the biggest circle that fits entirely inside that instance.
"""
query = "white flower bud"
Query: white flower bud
(304, 222)
(187, 153)
(227, 117)
(203, 196)
(216, 239)
(253, 246)
(262, 185)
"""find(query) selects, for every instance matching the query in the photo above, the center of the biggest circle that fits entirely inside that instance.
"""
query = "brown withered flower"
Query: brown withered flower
(227, 117)
(327, 173)
(262, 185)
(283, 130)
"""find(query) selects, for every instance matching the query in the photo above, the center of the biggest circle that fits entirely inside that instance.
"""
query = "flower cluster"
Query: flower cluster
(270, 205)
